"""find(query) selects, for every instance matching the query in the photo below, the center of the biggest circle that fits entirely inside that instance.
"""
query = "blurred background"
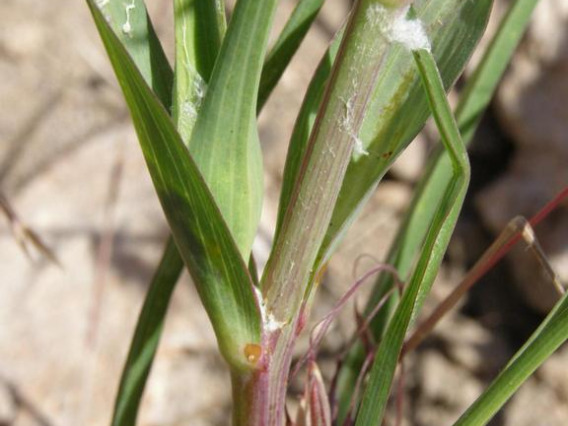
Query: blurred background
(71, 170)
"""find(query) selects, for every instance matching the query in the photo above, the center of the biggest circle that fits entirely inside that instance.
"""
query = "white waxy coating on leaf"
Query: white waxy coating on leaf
(194, 97)
(102, 3)
(270, 324)
(410, 33)
(347, 125)
(127, 28)
(397, 27)
(189, 110)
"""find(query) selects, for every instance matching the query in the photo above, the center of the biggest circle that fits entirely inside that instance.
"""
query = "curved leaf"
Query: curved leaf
(375, 397)
(475, 99)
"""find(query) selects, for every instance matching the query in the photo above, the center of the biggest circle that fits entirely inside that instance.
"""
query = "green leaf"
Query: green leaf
(131, 24)
(199, 30)
(377, 391)
(204, 241)
(552, 333)
(146, 338)
(225, 141)
(475, 99)
(286, 45)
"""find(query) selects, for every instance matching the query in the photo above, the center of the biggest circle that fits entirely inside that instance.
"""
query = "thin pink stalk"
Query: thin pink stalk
(320, 329)
(495, 253)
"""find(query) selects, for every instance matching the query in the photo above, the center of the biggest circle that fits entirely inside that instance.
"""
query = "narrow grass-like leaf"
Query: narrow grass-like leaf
(552, 333)
(382, 373)
(332, 142)
(146, 338)
(130, 21)
(482, 84)
(286, 46)
(199, 29)
(475, 99)
(204, 241)
(397, 110)
(225, 141)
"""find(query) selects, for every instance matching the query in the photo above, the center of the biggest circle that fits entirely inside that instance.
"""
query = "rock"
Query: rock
(535, 404)
(554, 372)
(445, 390)
(470, 345)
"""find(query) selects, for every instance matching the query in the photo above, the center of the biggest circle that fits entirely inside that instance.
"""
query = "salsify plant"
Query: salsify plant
(387, 70)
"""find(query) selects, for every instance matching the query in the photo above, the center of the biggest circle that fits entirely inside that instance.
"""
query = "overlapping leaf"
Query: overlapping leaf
(199, 30)
(474, 101)
(200, 233)
(225, 141)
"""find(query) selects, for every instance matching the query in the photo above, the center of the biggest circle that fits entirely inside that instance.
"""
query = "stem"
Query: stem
(259, 396)
(250, 394)
(288, 274)
(331, 146)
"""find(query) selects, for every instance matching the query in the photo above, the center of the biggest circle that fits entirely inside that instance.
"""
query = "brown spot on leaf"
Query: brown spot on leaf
(253, 352)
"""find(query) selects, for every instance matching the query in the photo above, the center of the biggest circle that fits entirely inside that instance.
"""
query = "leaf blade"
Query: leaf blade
(148, 330)
(474, 100)
(375, 397)
(225, 140)
(146, 337)
(199, 31)
(286, 46)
